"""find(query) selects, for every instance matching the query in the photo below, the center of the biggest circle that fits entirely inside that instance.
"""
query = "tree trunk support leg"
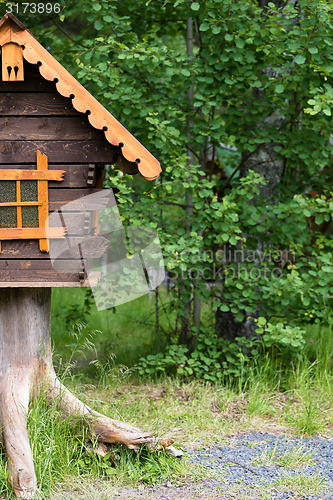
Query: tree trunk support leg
(14, 397)
(25, 369)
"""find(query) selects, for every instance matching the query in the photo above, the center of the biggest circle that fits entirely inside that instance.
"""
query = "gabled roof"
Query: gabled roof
(138, 158)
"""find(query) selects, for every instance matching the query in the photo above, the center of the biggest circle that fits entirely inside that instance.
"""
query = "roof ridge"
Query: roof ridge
(10, 15)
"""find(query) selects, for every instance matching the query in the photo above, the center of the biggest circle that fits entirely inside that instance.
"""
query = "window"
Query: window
(24, 203)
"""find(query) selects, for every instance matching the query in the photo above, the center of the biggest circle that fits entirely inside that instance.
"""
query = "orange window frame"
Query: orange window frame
(42, 175)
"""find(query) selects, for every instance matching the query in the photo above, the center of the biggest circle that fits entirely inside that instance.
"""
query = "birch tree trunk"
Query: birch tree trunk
(25, 370)
(186, 336)
(265, 162)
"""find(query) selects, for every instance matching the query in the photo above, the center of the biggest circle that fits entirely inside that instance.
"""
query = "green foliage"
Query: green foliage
(213, 360)
(248, 95)
(288, 340)
(77, 314)
(216, 360)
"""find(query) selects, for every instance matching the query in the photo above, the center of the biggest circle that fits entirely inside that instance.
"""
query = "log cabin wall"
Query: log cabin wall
(34, 116)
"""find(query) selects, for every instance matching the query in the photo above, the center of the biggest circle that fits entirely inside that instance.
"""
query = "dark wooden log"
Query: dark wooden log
(37, 275)
(57, 151)
(48, 128)
(26, 249)
(22, 249)
(31, 83)
(38, 104)
(32, 265)
(90, 247)
(77, 224)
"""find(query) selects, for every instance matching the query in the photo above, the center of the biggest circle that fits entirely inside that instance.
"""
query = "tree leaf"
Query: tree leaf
(204, 26)
(98, 25)
(300, 59)
(195, 6)
(279, 88)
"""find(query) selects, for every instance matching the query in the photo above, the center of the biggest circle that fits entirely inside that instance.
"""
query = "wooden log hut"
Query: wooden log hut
(54, 137)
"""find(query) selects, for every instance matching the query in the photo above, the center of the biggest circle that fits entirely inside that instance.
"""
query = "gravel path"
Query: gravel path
(289, 468)
(235, 463)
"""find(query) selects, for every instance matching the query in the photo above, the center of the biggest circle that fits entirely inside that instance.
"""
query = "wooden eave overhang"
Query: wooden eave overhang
(137, 158)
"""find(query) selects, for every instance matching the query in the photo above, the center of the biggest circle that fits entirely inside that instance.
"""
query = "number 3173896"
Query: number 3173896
(33, 8)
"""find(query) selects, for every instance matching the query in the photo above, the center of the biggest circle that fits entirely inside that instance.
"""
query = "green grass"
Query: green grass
(61, 458)
(297, 397)
(129, 332)
(295, 457)
(319, 348)
(291, 400)
(193, 413)
(302, 485)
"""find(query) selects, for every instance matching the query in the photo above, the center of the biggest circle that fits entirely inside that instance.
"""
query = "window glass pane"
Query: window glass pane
(29, 191)
(7, 191)
(8, 194)
(8, 217)
(29, 216)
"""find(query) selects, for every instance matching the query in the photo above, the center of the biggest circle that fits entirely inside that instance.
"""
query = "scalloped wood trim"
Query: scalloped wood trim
(82, 100)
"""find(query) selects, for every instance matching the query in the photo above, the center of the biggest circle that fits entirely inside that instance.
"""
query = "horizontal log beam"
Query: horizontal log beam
(38, 104)
(31, 233)
(62, 196)
(76, 175)
(31, 175)
(20, 152)
(69, 266)
(48, 128)
(22, 249)
(29, 249)
(46, 280)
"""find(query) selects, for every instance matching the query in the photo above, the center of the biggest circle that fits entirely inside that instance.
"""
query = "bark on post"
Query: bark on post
(25, 369)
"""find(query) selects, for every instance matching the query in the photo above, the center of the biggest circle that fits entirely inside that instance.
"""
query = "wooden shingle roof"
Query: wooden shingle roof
(135, 158)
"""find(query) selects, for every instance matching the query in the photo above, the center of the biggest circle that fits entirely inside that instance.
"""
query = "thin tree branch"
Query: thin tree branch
(67, 34)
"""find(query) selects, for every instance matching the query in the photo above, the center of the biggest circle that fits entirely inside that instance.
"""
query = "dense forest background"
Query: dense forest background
(234, 99)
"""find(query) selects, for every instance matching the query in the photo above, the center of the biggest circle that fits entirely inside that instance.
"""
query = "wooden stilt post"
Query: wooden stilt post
(25, 369)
